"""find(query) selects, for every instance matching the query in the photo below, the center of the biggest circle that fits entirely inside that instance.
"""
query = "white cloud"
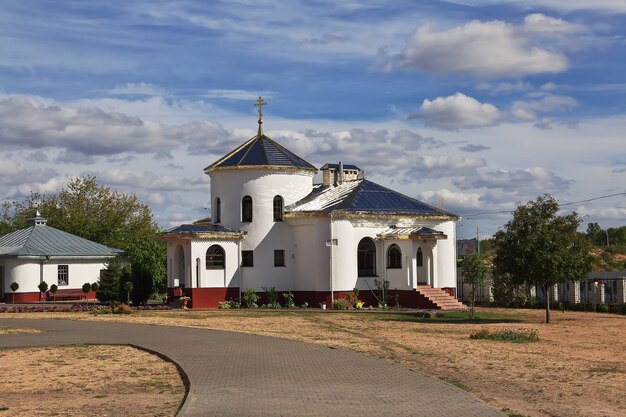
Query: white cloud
(238, 94)
(147, 181)
(452, 198)
(136, 89)
(540, 23)
(534, 180)
(457, 111)
(482, 49)
(528, 109)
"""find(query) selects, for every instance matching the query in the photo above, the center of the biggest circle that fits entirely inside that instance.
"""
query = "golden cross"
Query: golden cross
(260, 103)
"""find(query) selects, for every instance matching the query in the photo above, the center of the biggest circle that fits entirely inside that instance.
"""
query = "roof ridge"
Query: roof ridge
(233, 152)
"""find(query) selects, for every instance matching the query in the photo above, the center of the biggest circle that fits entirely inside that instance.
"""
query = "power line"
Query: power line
(469, 215)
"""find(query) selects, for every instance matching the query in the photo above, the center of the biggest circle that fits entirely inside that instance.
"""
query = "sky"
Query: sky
(476, 104)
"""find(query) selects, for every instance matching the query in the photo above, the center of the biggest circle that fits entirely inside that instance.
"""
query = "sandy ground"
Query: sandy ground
(16, 330)
(87, 380)
(578, 368)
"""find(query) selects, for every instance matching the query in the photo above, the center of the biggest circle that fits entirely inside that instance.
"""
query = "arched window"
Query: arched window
(246, 209)
(278, 209)
(218, 210)
(394, 257)
(419, 257)
(215, 257)
(366, 258)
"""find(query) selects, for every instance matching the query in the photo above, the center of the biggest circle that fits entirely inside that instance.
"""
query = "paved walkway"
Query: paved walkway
(234, 374)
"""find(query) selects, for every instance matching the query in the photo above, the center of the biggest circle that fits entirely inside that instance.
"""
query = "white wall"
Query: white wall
(264, 235)
(446, 259)
(211, 278)
(27, 273)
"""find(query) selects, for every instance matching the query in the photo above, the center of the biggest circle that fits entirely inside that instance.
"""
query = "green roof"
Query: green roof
(42, 240)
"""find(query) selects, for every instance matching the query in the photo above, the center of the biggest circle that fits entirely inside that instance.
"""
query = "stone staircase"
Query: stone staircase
(438, 299)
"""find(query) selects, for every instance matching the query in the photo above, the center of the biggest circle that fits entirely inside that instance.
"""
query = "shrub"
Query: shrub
(122, 309)
(288, 297)
(272, 297)
(229, 304)
(250, 297)
(340, 304)
(507, 335)
(305, 305)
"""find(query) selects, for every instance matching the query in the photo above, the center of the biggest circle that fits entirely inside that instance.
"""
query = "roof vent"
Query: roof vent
(37, 220)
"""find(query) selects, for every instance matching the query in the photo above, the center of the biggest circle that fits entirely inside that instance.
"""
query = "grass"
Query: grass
(507, 335)
(456, 317)
(457, 383)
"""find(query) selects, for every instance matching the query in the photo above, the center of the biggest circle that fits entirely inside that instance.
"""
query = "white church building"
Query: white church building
(271, 226)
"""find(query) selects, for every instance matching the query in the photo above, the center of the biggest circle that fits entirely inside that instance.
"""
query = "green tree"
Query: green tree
(475, 272)
(538, 247)
(109, 288)
(14, 287)
(86, 288)
(128, 287)
(43, 287)
(53, 289)
(142, 284)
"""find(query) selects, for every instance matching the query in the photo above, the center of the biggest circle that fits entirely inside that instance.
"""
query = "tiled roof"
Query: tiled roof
(42, 240)
(200, 231)
(366, 197)
(196, 228)
(260, 151)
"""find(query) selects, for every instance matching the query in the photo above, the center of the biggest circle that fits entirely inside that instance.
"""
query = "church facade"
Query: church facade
(271, 226)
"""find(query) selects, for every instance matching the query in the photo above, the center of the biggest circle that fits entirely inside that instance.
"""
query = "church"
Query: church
(272, 226)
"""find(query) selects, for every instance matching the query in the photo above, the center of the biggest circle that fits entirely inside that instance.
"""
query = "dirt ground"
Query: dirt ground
(87, 380)
(578, 368)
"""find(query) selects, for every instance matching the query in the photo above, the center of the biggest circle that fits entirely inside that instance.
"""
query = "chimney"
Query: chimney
(340, 172)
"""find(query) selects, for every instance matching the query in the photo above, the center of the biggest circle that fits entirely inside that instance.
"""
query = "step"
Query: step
(441, 299)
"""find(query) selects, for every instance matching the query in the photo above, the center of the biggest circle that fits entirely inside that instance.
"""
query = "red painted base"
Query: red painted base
(35, 297)
(210, 297)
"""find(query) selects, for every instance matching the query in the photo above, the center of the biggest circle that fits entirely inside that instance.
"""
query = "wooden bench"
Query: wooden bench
(69, 294)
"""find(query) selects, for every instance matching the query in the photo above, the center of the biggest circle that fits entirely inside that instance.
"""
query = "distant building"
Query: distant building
(42, 253)
(272, 227)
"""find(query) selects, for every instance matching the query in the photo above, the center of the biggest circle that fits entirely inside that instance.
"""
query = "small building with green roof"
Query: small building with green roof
(42, 253)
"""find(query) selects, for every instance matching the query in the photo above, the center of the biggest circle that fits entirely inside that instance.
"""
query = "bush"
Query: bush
(507, 335)
(250, 298)
(340, 304)
(288, 297)
(272, 297)
(229, 304)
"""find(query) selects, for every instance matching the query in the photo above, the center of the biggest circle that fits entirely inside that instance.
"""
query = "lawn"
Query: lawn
(577, 368)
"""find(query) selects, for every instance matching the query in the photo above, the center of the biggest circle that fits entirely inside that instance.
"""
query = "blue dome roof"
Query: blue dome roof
(260, 152)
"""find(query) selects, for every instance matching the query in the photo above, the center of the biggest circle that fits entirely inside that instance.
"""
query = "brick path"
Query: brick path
(233, 374)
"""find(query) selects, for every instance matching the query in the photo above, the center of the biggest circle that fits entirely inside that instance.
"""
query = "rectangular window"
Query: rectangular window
(63, 275)
(279, 257)
(247, 258)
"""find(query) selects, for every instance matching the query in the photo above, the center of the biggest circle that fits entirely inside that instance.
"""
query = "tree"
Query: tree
(86, 289)
(43, 287)
(53, 289)
(538, 247)
(141, 284)
(108, 290)
(14, 287)
(475, 272)
(128, 286)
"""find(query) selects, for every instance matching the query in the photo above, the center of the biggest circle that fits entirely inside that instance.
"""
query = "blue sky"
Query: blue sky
(485, 103)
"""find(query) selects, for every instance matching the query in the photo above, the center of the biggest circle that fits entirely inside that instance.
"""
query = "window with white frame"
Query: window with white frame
(63, 274)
